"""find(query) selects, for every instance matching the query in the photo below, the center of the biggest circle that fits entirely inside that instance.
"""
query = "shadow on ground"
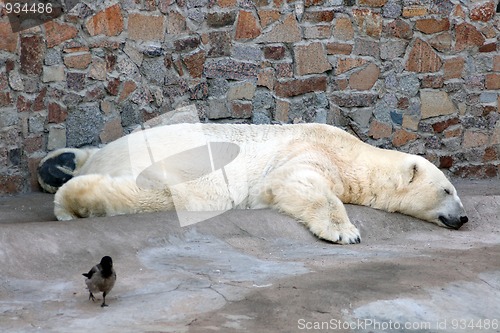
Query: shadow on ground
(255, 271)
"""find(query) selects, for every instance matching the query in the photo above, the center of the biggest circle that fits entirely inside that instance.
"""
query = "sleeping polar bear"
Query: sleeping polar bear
(307, 171)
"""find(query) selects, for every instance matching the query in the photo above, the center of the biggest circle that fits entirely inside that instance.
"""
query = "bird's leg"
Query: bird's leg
(91, 296)
(103, 300)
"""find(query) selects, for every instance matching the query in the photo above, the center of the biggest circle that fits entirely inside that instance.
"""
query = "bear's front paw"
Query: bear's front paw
(341, 234)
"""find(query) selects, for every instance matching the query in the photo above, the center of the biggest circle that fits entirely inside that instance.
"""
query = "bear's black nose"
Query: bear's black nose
(464, 219)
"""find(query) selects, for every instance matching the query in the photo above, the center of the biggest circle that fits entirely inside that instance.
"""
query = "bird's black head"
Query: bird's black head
(106, 262)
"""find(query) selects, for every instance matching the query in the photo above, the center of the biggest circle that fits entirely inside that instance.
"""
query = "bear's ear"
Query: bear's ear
(413, 172)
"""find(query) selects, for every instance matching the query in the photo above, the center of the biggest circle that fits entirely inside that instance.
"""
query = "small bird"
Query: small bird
(101, 278)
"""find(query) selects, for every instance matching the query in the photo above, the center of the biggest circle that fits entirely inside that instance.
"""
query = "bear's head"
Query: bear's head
(426, 193)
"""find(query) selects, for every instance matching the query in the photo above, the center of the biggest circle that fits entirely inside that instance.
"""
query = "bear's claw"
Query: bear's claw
(336, 234)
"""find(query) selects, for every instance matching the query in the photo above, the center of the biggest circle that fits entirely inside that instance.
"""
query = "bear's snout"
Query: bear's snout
(454, 223)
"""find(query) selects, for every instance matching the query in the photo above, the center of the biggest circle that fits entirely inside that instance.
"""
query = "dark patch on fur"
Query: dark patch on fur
(54, 171)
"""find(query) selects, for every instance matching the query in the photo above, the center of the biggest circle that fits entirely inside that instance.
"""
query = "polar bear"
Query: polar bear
(307, 171)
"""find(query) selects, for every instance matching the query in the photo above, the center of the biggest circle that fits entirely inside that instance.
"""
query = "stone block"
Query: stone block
(490, 47)
(356, 99)
(97, 70)
(107, 22)
(392, 9)
(247, 26)
(282, 110)
(492, 81)
(402, 137)
(273, 52)
(473, 138)
(217, 109)
(176, 23)
(220, 44)
(268, 16)
(310, 59)
(146, 27)
(435, 103)
(111, 131)
(441, 42)
(9, 40)
(12, 183)
(244, 90)
(422, 58)
(284, 69)
(372, 3)
(128, 88)
(488, 97)
(368, 21)
(433, 81)
(392, 49)
(287, 31)
(453, 68)
(246, 51)
(23, 104)
(230, 69)
(226, 3)
(496, 63)
(4, 81)
(490, 154)
(220, 19)
(366, 47)
(5, 99)
(56, 113)
(133, 53)
(483, 11)
(445, 162)
(365, 78)
(113, 86)
(317, 32)
(399, 29)
(83, 125)
(338, 48)
(32, 54)
(154, 70)
(294, 87)
(431, 25)
(57, 137)
(318, 16)
(194, 63)
(467, 36)
(78, 60)
(75, 81)
(409, 84)
(266, 78)
(343, 29)
(187, 44)
(441, 126)
(379, 130)
(410, 122)
(15, 81)
(346, 64)
(53, 73)
(414, 10)
(241, 109)
(56, 33)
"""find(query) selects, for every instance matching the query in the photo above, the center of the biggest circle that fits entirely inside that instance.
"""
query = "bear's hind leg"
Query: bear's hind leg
(305, 196)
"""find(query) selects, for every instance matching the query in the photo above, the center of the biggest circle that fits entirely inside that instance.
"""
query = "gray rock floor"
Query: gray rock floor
(252, 270)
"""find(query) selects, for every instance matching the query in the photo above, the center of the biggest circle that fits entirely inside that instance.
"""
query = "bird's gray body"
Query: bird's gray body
(101, 278)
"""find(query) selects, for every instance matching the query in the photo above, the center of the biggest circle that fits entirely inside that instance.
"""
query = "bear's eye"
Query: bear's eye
(447, 191)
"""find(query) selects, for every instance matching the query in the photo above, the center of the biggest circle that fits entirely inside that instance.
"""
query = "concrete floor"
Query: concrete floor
(255, 271)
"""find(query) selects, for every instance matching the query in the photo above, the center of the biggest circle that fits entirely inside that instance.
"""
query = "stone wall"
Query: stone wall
(418, 76)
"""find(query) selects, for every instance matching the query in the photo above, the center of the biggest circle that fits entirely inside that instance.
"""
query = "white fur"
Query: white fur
(306, 171)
